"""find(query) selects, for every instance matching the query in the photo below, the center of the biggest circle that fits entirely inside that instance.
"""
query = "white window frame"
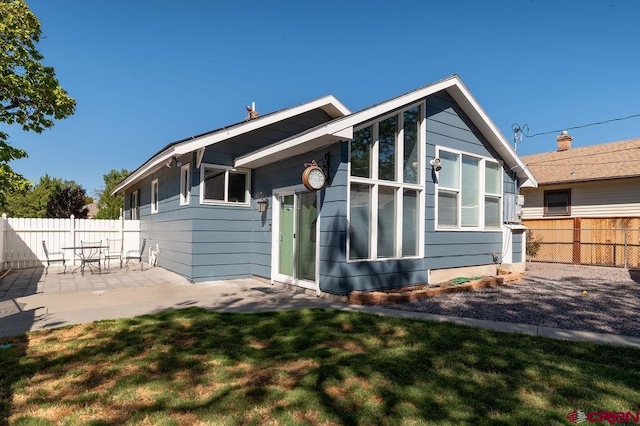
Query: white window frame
(185, 184)
(499, 196)
(227, 169)
(398, 184)
(155, 192)
(482, 194)
(134, 208)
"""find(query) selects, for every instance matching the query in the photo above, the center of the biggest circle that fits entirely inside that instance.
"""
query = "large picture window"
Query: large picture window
(469, 191)
(224, 185)
(386, 187)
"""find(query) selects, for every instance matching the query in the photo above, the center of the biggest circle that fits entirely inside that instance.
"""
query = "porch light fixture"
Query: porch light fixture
(173, 161)
(437, 164)
(263, 202)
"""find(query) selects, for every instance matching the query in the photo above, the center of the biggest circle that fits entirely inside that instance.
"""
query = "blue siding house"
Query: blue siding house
(419, 189)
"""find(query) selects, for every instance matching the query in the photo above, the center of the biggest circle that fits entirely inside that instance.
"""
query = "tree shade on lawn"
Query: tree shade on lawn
(305, 367)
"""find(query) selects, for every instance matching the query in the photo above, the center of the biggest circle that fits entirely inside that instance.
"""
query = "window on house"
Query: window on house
(223, 185)
(185, 184)
(154, 196)
(134, 205)
(492, 194)
(385, 188)
(557, 203)
(469, 191)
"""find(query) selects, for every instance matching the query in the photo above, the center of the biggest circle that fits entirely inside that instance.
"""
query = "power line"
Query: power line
(582, 126)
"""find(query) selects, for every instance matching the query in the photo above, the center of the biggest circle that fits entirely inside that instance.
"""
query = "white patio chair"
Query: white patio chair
(113, 251)
(135, 255)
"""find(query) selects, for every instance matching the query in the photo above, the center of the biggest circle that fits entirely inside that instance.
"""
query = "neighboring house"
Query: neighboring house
(93, 210)
(593, 192)
(230, 203)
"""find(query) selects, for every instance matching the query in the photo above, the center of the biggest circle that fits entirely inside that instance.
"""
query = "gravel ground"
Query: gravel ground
(551, 295)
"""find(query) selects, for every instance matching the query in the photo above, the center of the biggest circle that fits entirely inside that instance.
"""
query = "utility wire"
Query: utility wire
(582, 126)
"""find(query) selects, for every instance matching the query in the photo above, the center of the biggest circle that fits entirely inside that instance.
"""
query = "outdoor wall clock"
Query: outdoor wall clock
(313, 177)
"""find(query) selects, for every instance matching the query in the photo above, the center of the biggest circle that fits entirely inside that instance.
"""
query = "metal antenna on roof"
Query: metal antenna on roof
(518, 134)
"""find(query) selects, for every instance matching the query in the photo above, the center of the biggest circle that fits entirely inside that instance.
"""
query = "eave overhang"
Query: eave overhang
(332, 106)
(342, 129)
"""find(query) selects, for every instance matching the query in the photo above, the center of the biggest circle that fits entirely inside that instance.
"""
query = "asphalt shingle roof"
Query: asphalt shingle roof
(613, 160)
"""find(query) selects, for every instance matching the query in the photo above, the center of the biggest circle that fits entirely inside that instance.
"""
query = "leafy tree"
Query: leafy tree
(109, 206)
(67, 201)
(30, 95)
(33, 203)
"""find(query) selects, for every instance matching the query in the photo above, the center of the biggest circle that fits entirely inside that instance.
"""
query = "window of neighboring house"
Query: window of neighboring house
(185, 185)
(154, 196)
(557, 202)
(386, 187)
(134, 205)
(223, 185)
(469, 191)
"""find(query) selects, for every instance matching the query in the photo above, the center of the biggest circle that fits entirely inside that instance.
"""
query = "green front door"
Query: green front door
(287, 211)
(297, 238)
(307, 215)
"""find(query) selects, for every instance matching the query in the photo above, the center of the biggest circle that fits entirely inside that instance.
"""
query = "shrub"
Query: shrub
(533, 244)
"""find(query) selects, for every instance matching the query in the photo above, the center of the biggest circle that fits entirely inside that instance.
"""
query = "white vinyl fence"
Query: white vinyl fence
(21, 238)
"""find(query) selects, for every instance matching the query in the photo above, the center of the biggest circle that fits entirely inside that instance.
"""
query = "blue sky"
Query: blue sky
(145, 73)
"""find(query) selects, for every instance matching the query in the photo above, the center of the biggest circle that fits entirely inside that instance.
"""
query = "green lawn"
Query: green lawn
(305, 367)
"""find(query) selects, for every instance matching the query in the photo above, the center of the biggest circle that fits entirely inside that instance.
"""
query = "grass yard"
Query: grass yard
(305, 367)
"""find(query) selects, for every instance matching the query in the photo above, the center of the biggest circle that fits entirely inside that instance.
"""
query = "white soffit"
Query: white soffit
(329, 104)
(295, 145)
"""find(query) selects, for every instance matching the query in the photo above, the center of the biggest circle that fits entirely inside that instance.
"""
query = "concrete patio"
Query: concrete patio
(31, 300)
(29, 281)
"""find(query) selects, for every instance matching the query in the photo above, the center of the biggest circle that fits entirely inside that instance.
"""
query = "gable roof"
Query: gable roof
(342, 129)
(332, 106)
(613, 160)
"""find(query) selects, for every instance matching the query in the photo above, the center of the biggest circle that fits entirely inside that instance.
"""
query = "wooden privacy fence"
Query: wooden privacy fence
(21, 238)
(583, 244)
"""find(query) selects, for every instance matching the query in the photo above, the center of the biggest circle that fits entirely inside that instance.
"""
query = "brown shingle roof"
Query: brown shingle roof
(612, 160)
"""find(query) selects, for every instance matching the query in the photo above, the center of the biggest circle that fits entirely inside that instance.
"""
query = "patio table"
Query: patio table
(81, 251)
